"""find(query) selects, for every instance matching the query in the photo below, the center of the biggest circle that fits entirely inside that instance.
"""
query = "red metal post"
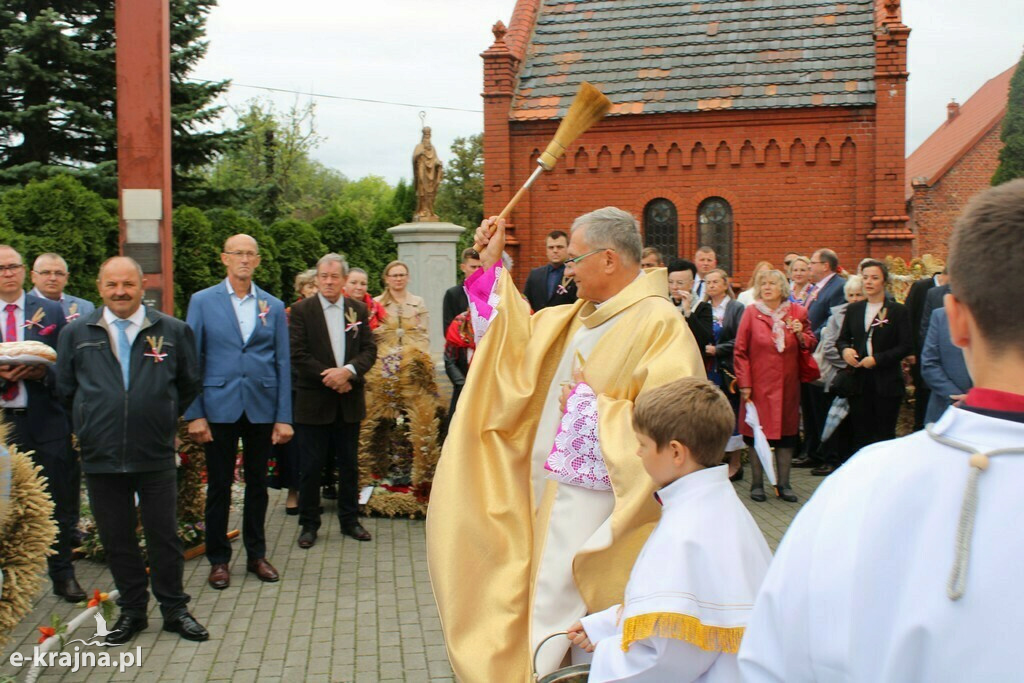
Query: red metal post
(144, 142)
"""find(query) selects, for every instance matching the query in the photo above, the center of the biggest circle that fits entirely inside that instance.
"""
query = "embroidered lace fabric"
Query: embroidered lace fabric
(576, 457)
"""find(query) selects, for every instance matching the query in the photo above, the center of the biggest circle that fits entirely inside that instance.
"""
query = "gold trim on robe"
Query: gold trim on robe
(480, 524)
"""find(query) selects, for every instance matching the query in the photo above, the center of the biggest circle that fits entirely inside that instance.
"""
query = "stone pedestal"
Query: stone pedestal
(429, 249)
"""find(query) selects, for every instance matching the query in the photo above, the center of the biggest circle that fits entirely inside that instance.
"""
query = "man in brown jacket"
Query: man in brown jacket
(332, 349)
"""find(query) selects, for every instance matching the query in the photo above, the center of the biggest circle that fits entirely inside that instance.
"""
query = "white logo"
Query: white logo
(79, 658)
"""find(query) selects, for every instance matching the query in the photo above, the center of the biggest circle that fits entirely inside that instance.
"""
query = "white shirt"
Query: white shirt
(857, 589)
(870, 311)
(334, 314)
(246, 309)
(21, 400)
(132, 331)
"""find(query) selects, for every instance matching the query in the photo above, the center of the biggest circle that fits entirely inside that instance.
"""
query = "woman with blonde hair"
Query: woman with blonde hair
(799, 279)
(748, 295)
(766, 358)
(407, 309)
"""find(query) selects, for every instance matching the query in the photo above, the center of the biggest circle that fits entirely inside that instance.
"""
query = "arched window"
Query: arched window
(714, 229)
(661, 227)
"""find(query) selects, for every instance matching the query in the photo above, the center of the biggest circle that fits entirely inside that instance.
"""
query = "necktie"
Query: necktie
(124, 349)
(700, 288)
(11, 334)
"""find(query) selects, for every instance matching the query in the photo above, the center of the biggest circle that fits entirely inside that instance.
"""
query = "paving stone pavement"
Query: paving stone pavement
(343, 610)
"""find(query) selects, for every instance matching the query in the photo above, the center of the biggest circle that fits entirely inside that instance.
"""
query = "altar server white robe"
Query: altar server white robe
(858, 588)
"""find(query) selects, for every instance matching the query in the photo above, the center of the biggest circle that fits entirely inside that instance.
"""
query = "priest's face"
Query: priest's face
(590, 267)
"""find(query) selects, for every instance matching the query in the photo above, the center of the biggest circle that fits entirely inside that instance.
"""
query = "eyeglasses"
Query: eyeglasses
(576, 259)
(242, 254)
(13, 268)
(49, 273)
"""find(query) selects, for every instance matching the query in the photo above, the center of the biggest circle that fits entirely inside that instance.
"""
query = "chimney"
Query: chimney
(952, 110)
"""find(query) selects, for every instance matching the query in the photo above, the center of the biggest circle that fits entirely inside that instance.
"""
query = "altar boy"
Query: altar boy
(693, 584)
(904, 565)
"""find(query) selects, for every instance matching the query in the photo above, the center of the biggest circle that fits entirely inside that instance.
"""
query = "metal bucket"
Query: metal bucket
(570, 674)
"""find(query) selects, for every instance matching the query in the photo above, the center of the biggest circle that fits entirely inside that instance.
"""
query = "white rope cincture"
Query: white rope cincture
(968, 509)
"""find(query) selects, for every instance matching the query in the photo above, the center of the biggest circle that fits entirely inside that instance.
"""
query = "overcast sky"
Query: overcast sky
(428, 54)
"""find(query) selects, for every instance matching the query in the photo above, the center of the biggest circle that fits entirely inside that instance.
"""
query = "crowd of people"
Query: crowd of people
(898, 551)
(609, 345)
(287, 383)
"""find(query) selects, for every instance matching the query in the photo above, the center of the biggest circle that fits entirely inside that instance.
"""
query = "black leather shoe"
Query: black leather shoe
(804, 462)
(757, 494)
(68, 589)
(823, 471)
(307, 538)
(329, 493)
(786, 494)
(125, 629)
(357, 532)
(186, 626)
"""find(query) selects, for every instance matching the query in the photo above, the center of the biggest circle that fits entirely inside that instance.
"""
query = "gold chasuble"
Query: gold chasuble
(487, 523)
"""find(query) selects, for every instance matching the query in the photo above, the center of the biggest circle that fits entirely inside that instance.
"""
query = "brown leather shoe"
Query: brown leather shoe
(263, 569)
(220, 576)
(356, 531)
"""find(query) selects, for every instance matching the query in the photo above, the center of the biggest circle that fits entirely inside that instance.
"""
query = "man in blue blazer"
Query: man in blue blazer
(49, 278)
(826, 292)
(943, 367)
(242, 342)
(38, 422)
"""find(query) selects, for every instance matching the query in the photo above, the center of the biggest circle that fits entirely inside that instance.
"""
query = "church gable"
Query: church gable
(661, 56)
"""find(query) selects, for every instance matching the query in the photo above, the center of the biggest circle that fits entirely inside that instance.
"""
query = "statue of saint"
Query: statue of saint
(427, 173)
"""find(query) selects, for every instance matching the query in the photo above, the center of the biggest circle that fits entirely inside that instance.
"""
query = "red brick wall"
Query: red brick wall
(934, 209)
(796, 179)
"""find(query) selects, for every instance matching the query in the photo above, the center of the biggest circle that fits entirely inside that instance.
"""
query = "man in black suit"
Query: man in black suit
(826, 292)
(332, 350)
(455, 299)
(28, 402)
(915, 302)
(548, 285)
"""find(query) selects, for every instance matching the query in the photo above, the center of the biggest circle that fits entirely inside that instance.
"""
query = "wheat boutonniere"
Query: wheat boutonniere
(156, 345)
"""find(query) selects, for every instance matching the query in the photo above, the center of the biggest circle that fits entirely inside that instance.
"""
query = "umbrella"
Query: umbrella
(761, 447)
(838, 411)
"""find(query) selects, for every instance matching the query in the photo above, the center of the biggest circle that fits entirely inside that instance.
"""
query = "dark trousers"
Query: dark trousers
(63, 474)
(112, 497)
(220, 472)
(813, 409)
(317, 443)
(872, 417)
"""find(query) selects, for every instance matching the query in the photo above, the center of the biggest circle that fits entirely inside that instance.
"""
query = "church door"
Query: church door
(661, 227)
(714, 229)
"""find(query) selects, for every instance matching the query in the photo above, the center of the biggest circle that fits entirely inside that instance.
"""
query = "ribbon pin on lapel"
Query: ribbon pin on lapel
(353, 322)
(72, 313)
(156, 344)
(36, 320)
(563, 287)
(264, 311)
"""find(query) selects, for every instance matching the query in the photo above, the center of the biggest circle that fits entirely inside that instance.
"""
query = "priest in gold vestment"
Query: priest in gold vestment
(518, 550)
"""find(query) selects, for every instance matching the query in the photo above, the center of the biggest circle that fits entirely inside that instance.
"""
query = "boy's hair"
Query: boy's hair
(693, 412)
(990, 230)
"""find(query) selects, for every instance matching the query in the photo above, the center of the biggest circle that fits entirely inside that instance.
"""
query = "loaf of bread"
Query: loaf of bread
(28, 351)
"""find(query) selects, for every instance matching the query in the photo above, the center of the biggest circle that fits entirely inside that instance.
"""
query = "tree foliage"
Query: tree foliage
(1011, 157)
(270, 173)
(460, 199)
(60, 215)
(57, 90)
(299, 247)
(195, 265)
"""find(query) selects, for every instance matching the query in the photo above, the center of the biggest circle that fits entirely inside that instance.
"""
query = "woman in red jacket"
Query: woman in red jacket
(766, 360)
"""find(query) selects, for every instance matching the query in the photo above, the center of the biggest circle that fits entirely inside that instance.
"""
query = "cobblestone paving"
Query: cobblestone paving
(343, 610)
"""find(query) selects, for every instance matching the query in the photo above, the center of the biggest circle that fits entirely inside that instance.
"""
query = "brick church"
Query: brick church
(755, 127)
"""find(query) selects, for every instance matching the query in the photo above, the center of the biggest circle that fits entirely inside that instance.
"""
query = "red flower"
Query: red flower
(47, 632)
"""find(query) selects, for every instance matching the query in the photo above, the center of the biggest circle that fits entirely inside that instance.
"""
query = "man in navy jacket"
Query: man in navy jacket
(28, 403)
(242, 342)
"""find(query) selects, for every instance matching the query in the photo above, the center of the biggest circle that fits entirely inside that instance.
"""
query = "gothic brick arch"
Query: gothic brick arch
(688, 219)
(641, 201)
